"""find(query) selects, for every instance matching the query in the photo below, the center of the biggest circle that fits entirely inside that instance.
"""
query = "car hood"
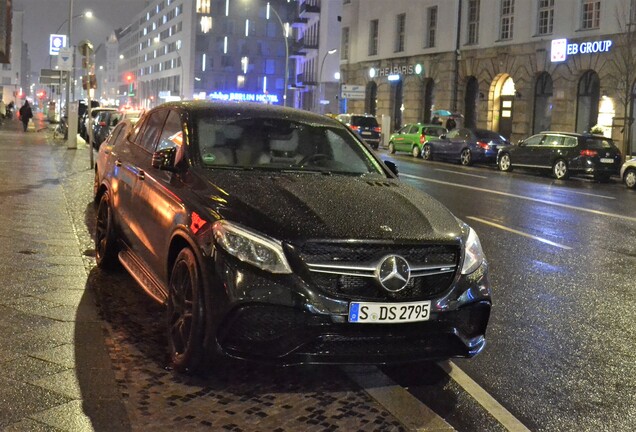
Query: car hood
(310, 206)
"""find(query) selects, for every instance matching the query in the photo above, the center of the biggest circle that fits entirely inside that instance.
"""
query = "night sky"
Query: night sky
(43, 17)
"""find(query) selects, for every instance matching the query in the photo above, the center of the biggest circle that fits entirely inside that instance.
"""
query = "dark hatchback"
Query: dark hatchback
(466, 146)
(563, 154)
(275, 235)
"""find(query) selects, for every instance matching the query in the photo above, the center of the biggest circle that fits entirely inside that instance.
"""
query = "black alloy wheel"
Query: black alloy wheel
(105, 238)
(186, 314)
(426, 152)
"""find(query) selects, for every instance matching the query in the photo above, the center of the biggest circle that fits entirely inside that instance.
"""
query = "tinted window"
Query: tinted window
(172, 135)
(534, 140)
(369, 122)
(148, 139)
(276, 144)
(435, 131)
(553, 140)
(570, 141)
(599, 143)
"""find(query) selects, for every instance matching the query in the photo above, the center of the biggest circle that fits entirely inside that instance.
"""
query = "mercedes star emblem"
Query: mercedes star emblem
(394, 273)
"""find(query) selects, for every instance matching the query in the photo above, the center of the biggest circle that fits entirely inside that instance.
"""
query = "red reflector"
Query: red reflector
(589, 153)
(197, 222)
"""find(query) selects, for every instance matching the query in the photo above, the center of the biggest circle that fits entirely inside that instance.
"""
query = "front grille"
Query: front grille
(346, 271)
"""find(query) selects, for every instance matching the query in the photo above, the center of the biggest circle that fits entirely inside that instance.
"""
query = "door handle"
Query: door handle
(118, 163)
(141, 175)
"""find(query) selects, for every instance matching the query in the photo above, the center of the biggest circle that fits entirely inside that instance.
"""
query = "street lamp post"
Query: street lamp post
(322, 89)
(269, 7)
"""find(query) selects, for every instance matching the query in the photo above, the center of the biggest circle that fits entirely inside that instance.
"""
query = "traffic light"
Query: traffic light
(130, 77)
(41, 94)
(93, 81)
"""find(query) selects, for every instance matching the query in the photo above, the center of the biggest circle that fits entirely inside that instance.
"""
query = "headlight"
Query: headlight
(260, 251)
(473, 254)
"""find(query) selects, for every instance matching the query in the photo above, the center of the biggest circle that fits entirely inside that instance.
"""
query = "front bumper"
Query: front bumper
(284, 320)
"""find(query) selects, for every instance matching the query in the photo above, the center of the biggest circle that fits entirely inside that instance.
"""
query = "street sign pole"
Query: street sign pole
(72, 135)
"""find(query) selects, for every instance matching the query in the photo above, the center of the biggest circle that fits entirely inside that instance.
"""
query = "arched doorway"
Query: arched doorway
(542, 119)
(427, 100)
(396, 107)
(501, 103)
(587, 101)
(470, 102)
(370, 103)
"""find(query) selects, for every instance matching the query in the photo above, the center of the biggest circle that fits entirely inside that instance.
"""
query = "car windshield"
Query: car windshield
(281, 145)
(363, 121)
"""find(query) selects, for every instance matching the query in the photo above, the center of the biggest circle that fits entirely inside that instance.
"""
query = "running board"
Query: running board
(144, 278)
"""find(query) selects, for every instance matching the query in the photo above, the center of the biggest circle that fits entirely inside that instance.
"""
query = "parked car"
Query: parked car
(563, 154)
(466, 146)
(628, 173)
(365, 125)
(274, 234)
(412, 137)
(84, 127)
(105, 122)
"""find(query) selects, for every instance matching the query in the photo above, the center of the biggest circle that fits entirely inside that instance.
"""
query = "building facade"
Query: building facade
(513, 66)
(14, 83)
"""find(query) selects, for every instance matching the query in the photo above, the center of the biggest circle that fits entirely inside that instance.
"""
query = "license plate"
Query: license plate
(607, 160)
(386, 313)
(366, 133)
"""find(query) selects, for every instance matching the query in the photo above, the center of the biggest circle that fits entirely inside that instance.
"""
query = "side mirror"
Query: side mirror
(392, 167)
(520, 143)
(443, 136)
(164, 159)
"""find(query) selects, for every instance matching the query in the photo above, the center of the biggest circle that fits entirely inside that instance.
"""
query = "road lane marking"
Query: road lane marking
(399, 402)
(461, 173)
(571, 207)
(591, 194)
(489, 403)
(521, 233)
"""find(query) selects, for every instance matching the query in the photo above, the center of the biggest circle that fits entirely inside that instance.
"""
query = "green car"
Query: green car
(412, 137)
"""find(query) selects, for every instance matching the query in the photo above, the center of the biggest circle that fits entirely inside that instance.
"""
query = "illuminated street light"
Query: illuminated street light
(322, 89)
(285, 35)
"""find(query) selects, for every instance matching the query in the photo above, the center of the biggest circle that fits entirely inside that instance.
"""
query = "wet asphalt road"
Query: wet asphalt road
(562, 336)
(562, 342)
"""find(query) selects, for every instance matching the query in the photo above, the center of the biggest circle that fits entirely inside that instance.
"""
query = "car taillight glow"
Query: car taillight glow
(588, 152)
(102, 123)
(422, 139)
(483, 145)
(355, 128)
(377, 129)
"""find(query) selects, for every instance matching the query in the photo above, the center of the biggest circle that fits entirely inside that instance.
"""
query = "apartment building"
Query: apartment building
(514, 66)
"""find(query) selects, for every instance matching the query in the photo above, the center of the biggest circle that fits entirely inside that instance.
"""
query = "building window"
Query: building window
(431, 19)
(400, 30)
(373, 37)
(545, 18)
(203, 6)
(344, 44)
(507, 19)
(591, 14)
(473, 22)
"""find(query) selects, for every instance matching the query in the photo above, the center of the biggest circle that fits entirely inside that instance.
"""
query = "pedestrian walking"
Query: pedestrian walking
(450, 124)
(25, 114)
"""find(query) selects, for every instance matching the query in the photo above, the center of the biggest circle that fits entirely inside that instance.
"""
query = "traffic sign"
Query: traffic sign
(55, 43)
(65, 59)
(352, 92)
(51, 76)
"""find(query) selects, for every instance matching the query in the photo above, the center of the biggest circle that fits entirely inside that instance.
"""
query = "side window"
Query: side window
(569, 141)
(552, 141)
(138, 130)
(148, 139)
(453, 134)
(464, 134)
(404, 130)
(172, 135)
(115, 134)
(534, 140)
(414, 129)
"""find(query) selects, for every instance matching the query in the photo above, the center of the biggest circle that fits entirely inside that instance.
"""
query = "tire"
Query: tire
(504, 162)
(186, 314)
(96, 188)
(426, 152)
(415, 151)
(560, 170)
(106, 249)
(629, 178)
(465, 157)
(391, 148)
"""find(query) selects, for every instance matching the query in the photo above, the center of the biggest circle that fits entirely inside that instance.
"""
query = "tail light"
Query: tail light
(484, 145)
(422, 139)
(355, 128)
(377, 129)
(102, 123)
(589, 153)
